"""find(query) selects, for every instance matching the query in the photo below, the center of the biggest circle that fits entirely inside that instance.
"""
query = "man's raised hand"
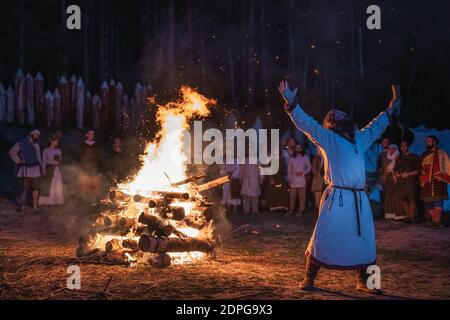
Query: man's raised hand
(287, 93)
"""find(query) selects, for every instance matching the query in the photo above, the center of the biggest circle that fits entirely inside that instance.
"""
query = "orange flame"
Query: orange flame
(164, 156)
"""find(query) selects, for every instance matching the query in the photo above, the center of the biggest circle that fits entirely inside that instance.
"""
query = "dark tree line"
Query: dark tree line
(237, 51)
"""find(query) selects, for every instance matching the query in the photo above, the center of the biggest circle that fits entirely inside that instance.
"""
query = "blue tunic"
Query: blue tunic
(336, 241)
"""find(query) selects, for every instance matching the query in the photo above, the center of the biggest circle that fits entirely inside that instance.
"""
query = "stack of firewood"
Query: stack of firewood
(149, 228)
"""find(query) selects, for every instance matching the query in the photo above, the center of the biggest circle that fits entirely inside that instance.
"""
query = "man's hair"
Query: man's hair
(341, 123)
(405, 141)
(434, 138)
(346, 126)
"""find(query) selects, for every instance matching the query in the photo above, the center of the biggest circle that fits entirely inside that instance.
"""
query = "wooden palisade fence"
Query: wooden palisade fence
(26, 103)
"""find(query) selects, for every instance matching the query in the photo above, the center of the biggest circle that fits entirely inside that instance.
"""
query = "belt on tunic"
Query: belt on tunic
(355, 195)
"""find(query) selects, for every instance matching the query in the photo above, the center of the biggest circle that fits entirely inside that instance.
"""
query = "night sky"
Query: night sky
(237, 52)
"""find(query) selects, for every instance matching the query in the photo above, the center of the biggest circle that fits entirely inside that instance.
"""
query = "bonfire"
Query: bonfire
(159, 217)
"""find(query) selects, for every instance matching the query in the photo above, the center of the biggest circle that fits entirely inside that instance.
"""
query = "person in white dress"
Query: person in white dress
(250, 186)
(299, 168)
(231, 198)
(52, 189)
(344, 236)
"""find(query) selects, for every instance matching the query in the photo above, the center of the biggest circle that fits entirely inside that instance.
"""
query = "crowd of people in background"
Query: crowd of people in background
(297, 186)
(410, 182)
(41, 176)
(413, 187)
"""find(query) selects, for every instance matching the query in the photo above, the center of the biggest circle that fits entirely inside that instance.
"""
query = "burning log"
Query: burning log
(172, 213)
(206, 212)
(121, 256)
(118, 221)
(119, 195)
(160, 245)
(162, 260)
(154, 203)
(187, 180)
(113, 245)
(164, 198)
(195, 222)
(158, 226)
(138, 229)
(117, 244)
(199, 218)
(130, 244)
(105, 207)
(87, 245)
(174, 195)
(114, 224)
(213, 184)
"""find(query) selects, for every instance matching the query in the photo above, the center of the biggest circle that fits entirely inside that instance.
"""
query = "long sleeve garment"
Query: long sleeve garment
(337, 242)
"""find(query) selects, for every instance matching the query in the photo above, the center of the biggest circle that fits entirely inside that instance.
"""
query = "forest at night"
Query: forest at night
(237, 51)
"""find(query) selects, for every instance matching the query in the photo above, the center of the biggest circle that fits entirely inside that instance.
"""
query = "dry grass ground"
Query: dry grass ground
(263, 261)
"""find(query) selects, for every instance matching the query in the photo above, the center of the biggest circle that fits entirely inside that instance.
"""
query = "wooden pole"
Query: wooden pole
(96, 115)
(104, 95)
(139, 106)
(132, 112)
(19, 89)
(118, 112)
(57, 112)
(66, 101)
(125, 114)
(80, 104)
(73, 100)
(10, 105)
(112, 104)
(88, 110)
(49, 109)
(2, 104)
(41, 117)
(29, 89)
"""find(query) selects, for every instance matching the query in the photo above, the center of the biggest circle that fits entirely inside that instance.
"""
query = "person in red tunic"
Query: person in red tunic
(434, 176)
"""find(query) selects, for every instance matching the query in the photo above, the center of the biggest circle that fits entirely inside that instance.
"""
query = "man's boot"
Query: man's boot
(361, 283)
(311, 272)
